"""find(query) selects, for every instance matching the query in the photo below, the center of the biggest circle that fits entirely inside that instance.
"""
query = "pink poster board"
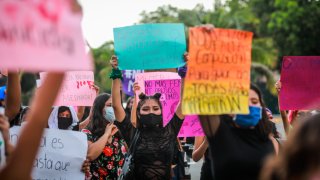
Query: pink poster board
(41, 36)
(75, 90)
(191, 127)
(300, 85)
(170, 97)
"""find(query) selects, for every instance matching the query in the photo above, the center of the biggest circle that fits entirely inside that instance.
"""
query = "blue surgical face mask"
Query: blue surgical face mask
(251, 119)
(109, 114)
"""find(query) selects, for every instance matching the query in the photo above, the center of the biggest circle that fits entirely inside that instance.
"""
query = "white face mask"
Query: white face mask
(108, 114)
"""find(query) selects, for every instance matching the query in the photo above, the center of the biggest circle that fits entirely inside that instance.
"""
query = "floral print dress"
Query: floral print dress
(109, 163)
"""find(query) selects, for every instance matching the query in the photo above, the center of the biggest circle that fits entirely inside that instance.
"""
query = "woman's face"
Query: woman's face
(150, 106)
(65, 114)
(254, 99)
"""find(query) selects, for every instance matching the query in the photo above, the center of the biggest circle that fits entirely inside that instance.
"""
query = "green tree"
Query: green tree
(295, 27)
(102, 68)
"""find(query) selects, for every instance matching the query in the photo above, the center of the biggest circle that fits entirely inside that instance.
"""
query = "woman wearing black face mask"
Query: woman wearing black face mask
(63, 117)
(154, 148)
(106, 146)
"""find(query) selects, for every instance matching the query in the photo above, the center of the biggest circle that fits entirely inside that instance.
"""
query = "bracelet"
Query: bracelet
(182, 71)
(115, 74)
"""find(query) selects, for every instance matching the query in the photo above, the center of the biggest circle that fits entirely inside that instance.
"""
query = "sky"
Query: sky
(101, 16)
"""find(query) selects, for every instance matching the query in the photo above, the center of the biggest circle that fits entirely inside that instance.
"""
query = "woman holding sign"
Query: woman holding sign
(155, 144)
(106, 146)
(239, 144)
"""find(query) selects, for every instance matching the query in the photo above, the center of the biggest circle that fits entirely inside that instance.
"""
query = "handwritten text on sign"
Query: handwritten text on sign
(76, 89)
(170, 95)
(142, 77)
(191, 127)
(299, 83)
(128, 80)
(150, 46)
(41, 36)
(218, 77)
(58, 158)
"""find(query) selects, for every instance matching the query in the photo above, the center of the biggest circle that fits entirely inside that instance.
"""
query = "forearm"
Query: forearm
(96, 148)
(116, 100)
(134, 112)
(209, 124)
(199, 152)
(80, 112)
(13, 96)
(284, 118)
(179, 108)
(84, 123)
(9, 148)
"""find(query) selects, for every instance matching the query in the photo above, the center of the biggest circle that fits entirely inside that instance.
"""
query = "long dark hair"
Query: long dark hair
(300, 155)
(264, 126)
(98, 123)
(143, 98)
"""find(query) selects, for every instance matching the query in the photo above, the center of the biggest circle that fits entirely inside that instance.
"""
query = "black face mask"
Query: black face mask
(150, 121)
(64, 123)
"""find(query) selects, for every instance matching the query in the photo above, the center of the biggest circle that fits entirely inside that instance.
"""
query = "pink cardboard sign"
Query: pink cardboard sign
(75, 90)
(141, 77)
(170, 97)
(41, 36)
(299, 83)
(191, 127)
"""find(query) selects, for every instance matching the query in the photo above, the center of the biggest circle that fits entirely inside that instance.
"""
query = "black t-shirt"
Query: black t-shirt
(238, 153)
(155, 149)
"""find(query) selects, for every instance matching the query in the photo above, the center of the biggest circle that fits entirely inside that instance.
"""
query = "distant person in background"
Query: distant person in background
(63, 117)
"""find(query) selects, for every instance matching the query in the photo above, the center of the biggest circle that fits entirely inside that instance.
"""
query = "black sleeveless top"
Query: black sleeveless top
(155, 149)
(206, 169)
(238, 153)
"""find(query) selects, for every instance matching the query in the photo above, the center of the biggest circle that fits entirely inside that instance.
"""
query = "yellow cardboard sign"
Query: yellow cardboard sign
(218, 77)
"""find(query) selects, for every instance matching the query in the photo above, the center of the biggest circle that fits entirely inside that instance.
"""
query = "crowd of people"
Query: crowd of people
(235, 146)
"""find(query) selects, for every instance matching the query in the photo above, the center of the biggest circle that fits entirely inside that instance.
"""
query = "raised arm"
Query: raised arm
(136, 88)
(85, 122)
(283, 114)
(182, 73)
(200, 147)
(210, 124)
(13, 96)
(115, 91)
(29, 141)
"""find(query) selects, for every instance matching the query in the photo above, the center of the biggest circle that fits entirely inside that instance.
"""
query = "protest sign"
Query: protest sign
(41, 36)
(76, 89)
(299, 83)
(128, 80)
(57, 157)
(150, 46)
(191, 127)
(170, 95)
(142, 77)
(218, 76)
